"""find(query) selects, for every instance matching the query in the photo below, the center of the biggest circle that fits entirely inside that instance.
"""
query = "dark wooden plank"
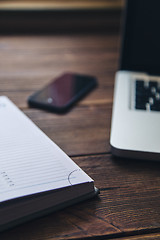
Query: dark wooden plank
(30, 62)
(61, 4)
(83, 130)
(153, 236)
(129, 204)
(130, 195)
(52, 21)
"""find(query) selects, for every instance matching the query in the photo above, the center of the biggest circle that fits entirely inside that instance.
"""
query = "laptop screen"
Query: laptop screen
(141, 38)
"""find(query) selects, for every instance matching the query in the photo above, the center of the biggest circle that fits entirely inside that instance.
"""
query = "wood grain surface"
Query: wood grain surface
(128, 206)
(61, 4)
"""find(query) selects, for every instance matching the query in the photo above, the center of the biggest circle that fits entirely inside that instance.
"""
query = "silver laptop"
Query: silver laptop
(135, 130)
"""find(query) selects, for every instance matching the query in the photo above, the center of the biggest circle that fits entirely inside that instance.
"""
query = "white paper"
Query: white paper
(29, 161)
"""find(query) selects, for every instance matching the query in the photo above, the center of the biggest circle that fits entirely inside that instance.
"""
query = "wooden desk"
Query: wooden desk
(128, 206)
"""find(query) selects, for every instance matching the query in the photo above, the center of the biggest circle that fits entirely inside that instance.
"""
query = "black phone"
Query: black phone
(60, 95)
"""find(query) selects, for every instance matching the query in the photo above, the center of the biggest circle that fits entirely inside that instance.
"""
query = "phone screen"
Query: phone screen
(63, 91)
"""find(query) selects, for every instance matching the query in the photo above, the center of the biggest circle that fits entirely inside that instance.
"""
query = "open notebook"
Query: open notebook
(36, 176)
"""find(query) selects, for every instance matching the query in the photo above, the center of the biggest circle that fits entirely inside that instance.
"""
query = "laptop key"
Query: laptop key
(140, 106)
(147, 95)
(139, 83)
(142, 95)
(155, 107)
(153, 84)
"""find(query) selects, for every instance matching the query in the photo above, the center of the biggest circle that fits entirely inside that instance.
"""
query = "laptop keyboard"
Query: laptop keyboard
(147, 95)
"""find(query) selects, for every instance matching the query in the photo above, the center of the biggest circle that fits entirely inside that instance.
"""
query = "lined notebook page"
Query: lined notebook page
(29, 161)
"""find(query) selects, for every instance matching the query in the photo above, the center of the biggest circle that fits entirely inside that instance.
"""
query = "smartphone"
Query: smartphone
(63, 92)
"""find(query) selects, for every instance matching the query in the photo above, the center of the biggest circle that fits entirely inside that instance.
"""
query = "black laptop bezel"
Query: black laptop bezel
(124, 63)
